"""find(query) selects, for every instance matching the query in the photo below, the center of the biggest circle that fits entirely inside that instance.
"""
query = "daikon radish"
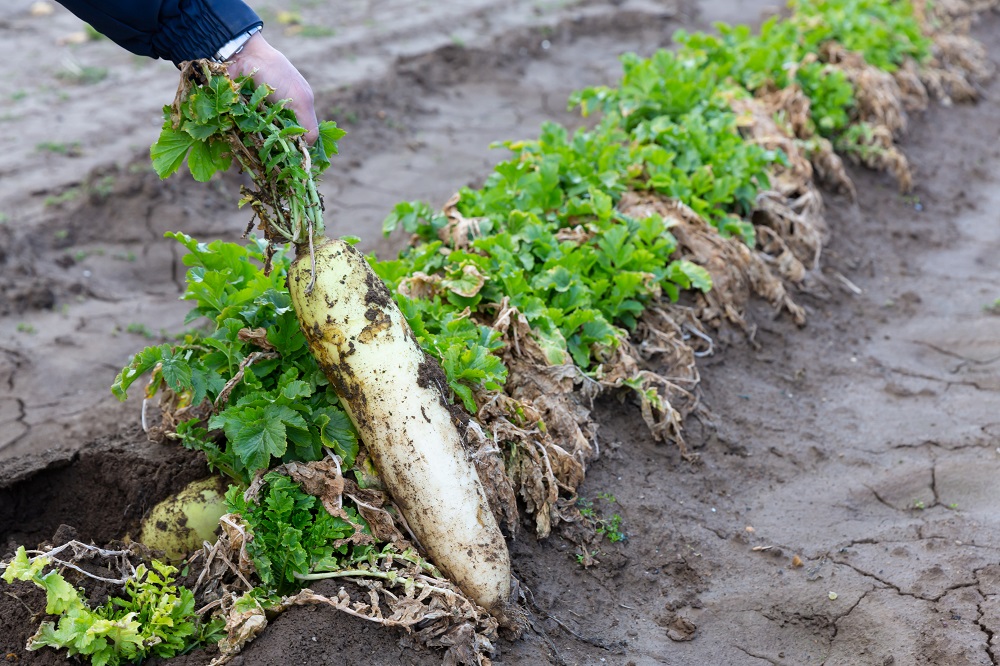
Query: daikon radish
(394, 395)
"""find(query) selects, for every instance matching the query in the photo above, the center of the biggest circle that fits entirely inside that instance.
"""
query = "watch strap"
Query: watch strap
(234, 45)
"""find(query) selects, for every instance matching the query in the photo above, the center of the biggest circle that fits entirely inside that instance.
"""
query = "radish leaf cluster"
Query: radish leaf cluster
(155, 617)
(281, 408)
(293, 534)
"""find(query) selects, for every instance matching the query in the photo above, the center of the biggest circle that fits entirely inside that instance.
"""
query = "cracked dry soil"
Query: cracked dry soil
(844, 508)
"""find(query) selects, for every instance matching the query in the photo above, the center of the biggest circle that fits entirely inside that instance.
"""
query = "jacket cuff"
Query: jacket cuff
(191, 29)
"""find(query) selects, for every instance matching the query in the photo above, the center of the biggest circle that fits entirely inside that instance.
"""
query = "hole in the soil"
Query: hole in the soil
(102, 492)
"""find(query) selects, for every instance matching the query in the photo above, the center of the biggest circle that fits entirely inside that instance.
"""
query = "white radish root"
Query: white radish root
(395, 396)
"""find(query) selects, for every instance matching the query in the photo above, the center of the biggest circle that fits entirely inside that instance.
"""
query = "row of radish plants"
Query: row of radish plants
(543, 242)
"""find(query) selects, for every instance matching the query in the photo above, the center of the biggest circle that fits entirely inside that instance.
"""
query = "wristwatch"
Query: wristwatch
(234, 45)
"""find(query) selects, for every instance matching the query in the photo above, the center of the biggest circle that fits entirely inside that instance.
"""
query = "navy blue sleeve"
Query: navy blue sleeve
(176, 30)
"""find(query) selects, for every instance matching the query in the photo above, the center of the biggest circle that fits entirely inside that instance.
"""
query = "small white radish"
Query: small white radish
(394, 394)
(181, 523)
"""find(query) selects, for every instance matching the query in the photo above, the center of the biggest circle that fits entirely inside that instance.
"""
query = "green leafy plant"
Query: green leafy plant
(606, 526)
(886, 33)
(292, 534)
(294, 539)
(859, 141)
(754, 61)
(69, 195)
(154, 617)
(103, 187)
(783, 52)
(579, 296)
(250, 367)
(220, 120)
(136, 328)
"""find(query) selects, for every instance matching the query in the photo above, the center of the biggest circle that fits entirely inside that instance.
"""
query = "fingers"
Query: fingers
(299, 94)
(274, 69)
(302, 104)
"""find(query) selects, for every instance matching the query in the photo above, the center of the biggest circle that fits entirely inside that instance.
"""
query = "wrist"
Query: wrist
(236, 45)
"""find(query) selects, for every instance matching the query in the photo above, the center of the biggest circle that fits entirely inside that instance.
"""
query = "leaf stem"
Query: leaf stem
(390, 576)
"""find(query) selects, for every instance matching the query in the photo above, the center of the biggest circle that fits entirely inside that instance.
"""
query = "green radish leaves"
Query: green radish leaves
(547, 237)
(471, 366)
(215, 120)
(153, 618)
(292, 533)
(249, 363)
(329, 134)
(170, 150)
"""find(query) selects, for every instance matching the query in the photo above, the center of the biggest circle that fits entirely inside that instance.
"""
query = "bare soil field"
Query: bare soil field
(842, 509)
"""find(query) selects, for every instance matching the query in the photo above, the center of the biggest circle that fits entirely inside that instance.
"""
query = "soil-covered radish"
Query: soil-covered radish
(181, 523)
(394, 395)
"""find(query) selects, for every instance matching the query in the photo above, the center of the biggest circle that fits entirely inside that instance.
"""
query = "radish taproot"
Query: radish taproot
(393, 393)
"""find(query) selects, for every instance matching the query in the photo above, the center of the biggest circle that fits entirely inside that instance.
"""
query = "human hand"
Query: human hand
(275, 70)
